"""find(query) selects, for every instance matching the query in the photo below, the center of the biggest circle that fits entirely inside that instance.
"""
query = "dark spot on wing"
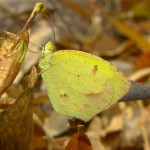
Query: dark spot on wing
(64, 96)
(75, 104)
(94, 96)
(87, 106)
(95, 69)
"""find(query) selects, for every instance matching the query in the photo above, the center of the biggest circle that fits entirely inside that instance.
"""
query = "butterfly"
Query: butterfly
(80, 84)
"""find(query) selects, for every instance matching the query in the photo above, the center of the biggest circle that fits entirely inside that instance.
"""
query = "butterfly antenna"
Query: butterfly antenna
(41, 47)
(29, 50)
(36, 45)
(50, 19)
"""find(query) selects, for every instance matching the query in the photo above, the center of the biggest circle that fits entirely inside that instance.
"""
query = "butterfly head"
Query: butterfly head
(49, 47)
(47, 54)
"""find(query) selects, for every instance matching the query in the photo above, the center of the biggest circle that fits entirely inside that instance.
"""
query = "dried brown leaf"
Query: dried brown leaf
(16, 122)
(13, 49)
(143, 61)
(12, 52)
(79, 141)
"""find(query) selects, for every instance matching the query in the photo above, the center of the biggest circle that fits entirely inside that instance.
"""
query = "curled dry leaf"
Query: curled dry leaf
(13, 49)
(12, 52)
(16, 122)
(79, 141)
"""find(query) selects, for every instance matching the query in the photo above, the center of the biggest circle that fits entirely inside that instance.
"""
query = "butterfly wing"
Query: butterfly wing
(81, 85)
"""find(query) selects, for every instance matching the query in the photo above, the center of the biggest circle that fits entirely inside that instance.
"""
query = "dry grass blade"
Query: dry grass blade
(130, 33)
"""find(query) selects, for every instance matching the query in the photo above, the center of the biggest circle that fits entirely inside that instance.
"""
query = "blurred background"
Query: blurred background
(116, 30)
